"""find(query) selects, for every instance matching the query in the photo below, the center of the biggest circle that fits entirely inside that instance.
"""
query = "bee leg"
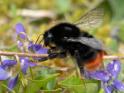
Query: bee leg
(42, 59)
(80, 69)
(53, 53)
(50, 56)
(62, 54)
(52, 49)
(59, 55)
(77, 56)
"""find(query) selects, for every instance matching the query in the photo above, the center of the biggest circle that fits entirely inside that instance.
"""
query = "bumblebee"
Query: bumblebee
(69, 39)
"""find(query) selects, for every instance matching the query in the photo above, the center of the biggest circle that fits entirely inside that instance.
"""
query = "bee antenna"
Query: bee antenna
(38, 39)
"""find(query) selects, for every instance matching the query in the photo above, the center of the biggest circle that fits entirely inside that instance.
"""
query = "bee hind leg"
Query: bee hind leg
(78, 66)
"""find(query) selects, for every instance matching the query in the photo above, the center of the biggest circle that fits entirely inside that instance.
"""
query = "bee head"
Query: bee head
(48, 38)
(57, 34)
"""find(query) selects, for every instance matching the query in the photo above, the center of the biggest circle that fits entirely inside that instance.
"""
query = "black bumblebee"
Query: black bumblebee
(69, 39)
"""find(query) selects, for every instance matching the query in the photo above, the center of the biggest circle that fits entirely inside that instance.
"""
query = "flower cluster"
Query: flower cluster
(109, 77)
(24, 44)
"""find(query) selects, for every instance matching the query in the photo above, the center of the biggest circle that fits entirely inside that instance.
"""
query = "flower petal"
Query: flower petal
(20, 30)
(42, 51)
(37, 48)
(108, 89)
(31, 64)
(114, 68)
(100, 75)
(12, 82)
(118, 85)
(30, 46)
(4, 75)
(24, 64)
(25, 67)
(8, 62)
(20, 44)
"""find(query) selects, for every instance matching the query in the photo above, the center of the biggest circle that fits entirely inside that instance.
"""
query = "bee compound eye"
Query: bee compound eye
(49, 35)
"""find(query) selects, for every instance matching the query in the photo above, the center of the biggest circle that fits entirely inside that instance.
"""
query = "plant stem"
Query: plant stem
(4, 53)
(113, 57)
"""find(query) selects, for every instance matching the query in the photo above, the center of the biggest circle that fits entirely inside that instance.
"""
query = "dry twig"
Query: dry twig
(4, 53)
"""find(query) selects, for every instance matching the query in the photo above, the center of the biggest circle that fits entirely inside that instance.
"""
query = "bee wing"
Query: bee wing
(91, 19)
(91, 42)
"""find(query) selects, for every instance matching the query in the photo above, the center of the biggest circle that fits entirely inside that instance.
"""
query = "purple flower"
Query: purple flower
(108, 89)
(114, 68)
(115, 85)
(4, 75)
(109, 77)
(8, 63)
(118, 85)
(20, 31)
(21, 36)
(25, 64)
(100, 75)
(20, 44)
(12, 82)
(37, 48)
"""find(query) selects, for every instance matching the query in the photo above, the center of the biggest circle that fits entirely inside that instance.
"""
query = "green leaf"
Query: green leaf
(73, 84)
(76, 85)
(58, 90)
(36, 85)
(101, 91)
(51, 84)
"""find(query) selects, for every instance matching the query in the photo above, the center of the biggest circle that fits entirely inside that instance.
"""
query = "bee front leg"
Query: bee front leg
(54, 54)
(57, 55)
